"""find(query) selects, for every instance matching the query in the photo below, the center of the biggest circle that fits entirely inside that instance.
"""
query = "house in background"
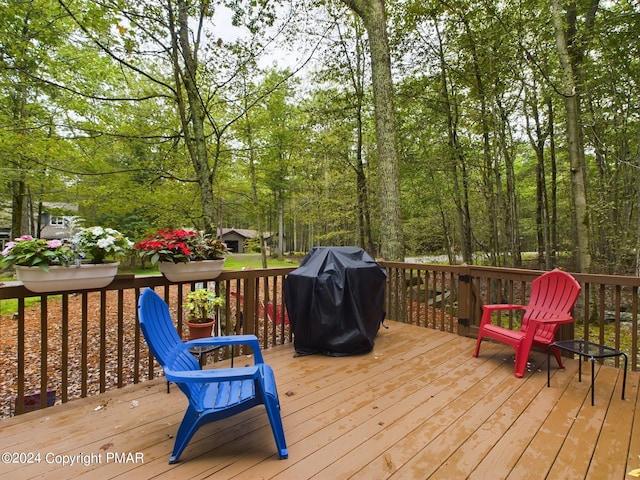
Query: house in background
(51, 225)
(57, 225)
(5, 236)
(5, 224)
(235, 238)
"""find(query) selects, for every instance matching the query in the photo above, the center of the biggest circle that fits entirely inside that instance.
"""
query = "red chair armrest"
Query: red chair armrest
(487, 310)
(504, 306)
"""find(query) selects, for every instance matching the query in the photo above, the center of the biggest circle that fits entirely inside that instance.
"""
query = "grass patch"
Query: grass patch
(233, 262)
(9, 307)
(238, 262)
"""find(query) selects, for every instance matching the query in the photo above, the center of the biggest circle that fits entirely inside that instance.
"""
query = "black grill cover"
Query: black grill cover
(335, 301)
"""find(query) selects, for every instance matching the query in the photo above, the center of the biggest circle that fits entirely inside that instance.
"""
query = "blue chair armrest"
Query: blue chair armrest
(211, 375)
(250, 340)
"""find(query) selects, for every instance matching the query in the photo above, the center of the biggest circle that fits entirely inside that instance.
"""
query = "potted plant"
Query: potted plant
(201, 305)
(184, 255)
(56, 265)
(98, 243)
(28, 251)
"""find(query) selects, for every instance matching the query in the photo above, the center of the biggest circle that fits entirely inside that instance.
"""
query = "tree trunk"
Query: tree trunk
(281, 241)
(456, 161)
(553, 200)
(365, 238)
(537, 138)
(570, 52)
(373, 15)
(185, 67)
(20, 222)
(638, 221)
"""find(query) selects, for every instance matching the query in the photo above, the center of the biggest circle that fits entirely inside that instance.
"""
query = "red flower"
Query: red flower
(177, 246)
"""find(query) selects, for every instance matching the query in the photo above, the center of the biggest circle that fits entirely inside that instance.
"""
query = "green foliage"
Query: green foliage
(37, 252)
(202, 304)
(476, 94)
(251, 245)
(99, 243)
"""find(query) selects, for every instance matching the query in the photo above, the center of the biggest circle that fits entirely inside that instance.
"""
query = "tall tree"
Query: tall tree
(572, 43)
(188, 70)
(30, 108)
(373, 15)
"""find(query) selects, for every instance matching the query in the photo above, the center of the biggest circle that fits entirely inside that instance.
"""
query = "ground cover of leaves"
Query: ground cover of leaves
(77, 362)
(91, 346)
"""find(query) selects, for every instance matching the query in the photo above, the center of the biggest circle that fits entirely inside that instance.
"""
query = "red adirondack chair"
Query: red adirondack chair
(553, 296)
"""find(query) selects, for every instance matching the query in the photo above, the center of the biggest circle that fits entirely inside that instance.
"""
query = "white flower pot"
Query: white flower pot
(87, 276)
(192, 271)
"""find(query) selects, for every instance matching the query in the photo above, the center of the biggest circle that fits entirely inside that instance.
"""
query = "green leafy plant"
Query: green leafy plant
(94, 244)
(201, 305)
(98, 243)
(37, 252)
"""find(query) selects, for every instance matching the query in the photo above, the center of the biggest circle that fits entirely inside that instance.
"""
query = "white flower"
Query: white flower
(105, 242)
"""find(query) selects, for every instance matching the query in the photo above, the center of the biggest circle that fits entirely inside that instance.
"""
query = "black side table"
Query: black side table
(589, 350)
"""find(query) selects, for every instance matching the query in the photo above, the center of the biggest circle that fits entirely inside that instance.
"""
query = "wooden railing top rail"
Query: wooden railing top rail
(15, 289)
(522, 274)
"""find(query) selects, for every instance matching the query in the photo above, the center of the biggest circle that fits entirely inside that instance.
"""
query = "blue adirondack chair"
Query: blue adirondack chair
(213, 394)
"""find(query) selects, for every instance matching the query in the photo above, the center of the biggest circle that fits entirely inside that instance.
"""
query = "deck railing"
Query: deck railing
(71, 345)
(450, 298)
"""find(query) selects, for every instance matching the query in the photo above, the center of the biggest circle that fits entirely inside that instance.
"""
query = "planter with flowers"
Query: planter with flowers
(184, 255)
(202, 305)
(62, 265)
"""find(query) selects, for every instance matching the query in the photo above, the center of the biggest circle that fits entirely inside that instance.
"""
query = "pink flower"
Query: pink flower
(54, 243)
(8, 247)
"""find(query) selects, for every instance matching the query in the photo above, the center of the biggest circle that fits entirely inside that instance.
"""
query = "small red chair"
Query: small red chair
(553, 296)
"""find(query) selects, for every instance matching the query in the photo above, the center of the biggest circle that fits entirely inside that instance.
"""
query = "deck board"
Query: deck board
(418, 406)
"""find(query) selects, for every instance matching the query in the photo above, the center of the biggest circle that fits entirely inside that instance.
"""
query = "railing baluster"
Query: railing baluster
(44, 350)
(634, 326)
(136, 343)
(586, 314)
(103, 340)
(64, 351)
(602, 314)
(84, 346)
(121, 340)
(20, 360)
(617, 320)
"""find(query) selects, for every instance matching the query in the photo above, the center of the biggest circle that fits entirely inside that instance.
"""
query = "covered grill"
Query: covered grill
(335, 301)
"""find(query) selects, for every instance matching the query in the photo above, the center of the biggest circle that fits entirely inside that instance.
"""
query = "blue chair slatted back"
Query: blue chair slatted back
(163, 339)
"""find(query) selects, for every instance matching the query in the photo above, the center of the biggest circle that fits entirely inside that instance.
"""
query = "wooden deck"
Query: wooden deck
(419, 406)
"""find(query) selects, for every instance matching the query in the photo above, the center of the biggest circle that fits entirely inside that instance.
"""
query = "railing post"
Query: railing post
(250, 306)
(465, 301)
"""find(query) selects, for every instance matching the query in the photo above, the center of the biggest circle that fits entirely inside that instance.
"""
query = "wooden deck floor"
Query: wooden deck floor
(419, 406)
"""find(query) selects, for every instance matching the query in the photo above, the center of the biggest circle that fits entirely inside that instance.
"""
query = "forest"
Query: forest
(476, 130)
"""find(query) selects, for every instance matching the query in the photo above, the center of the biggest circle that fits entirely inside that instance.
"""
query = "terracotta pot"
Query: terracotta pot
(86, 276)
(192, 271)
(200, 330)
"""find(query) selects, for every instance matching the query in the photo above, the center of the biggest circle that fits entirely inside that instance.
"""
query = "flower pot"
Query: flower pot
(87, 276)
(200, 330)
(192, 271)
